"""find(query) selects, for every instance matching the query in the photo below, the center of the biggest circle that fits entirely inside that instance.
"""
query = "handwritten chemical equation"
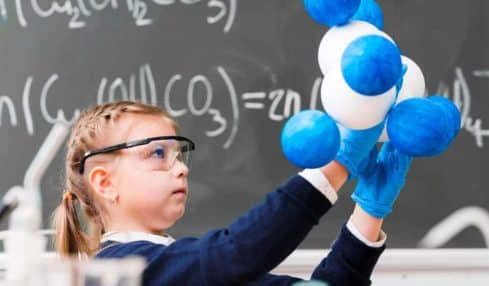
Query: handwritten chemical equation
(200, 92)
(142, 86)
(77, 12)
(461, 95)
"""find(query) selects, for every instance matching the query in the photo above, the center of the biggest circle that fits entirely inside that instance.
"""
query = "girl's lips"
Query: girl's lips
(180, 191)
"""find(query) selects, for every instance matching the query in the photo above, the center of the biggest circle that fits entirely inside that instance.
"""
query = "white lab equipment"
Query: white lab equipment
(25, 260)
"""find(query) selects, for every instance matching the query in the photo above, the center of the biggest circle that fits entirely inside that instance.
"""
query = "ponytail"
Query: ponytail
(69, 238)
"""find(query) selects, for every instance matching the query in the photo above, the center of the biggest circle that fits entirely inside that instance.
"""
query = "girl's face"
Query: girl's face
(150, 197)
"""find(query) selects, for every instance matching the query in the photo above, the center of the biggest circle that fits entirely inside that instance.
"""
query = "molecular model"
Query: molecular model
(366, 82)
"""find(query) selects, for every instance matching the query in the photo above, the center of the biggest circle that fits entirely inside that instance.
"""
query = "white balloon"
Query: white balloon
(413, 85)
(350, 108)
(336, 39)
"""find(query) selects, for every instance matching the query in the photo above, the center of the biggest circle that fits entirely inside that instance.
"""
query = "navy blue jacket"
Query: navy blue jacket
(253, 245)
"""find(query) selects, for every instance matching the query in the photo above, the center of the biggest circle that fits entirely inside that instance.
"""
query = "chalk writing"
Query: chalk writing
(6, 101)
(462, 97)
(78, 11)
(452, 225)
(199, 91)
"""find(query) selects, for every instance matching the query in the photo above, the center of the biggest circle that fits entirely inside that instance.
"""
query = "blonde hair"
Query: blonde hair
(86, 134)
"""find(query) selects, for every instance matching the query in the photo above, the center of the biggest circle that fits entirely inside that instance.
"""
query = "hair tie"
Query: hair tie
(69, 196)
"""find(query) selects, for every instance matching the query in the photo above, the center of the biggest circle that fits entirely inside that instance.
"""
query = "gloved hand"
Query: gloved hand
(381, 181)
(355, 146)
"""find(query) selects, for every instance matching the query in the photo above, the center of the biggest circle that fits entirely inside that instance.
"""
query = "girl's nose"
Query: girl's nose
(180, 169)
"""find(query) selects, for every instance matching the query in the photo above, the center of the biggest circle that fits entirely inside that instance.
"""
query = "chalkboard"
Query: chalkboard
(232, 72)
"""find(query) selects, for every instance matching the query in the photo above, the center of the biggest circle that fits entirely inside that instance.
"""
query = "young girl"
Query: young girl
(126, 167)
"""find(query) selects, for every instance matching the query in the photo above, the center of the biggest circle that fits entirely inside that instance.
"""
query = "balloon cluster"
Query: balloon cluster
(366, 82)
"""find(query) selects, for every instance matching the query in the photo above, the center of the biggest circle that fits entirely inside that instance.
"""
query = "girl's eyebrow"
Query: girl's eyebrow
(154, 144)
(139, 148)
(149, 145)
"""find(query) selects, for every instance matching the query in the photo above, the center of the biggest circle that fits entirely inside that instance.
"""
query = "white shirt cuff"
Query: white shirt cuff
(354, 230)
(320, 182)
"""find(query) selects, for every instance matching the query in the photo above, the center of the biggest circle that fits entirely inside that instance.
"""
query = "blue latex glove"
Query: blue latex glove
(355, 146)
(382, 180)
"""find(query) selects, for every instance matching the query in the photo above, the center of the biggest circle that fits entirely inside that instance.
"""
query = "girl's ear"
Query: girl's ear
(100, 181)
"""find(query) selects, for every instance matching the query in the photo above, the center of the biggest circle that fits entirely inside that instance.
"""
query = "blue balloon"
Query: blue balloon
(331, 12)
(371, 64)
(419, 127)
(310, 139)
(370, 11)
(452, 112)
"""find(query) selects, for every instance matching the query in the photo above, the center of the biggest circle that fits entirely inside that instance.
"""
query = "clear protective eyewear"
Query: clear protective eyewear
(161, 151)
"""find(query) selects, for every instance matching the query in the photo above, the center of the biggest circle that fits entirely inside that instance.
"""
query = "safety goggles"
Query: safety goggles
(162, 151)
